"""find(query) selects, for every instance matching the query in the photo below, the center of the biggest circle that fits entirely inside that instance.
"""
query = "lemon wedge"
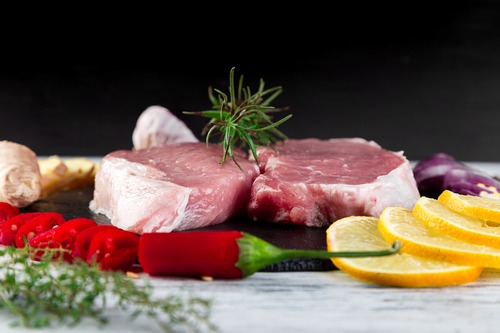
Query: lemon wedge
(436, 215)
(360, 233)
(471, 205)
(398, 223)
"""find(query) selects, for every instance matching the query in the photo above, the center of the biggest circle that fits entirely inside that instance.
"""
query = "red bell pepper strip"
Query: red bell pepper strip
(38, 225)
(83, 239)
(9, 228)
(7, 211)
(113, 249)
(221, 254)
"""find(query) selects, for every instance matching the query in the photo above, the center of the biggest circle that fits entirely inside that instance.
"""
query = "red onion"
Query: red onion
(441, 172)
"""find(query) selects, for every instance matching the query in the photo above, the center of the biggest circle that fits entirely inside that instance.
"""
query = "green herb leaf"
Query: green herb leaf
(51, 291)
(242, 119)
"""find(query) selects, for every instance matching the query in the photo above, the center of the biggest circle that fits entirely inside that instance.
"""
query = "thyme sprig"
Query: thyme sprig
(50, 291)
(243, 119)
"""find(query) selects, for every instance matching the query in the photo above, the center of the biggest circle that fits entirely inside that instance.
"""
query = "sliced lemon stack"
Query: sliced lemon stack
(361, 233)
(418, 239)
(436, 215)
(447, 241)
(484, 208)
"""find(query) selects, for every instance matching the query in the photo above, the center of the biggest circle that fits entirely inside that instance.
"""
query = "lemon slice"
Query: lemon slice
(480, 207)
(398, 223)
(436, 215)
(360, 233)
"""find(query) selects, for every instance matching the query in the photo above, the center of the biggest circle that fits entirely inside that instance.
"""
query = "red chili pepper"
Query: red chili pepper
(209, 253)
(9, 228)
(7, 211)
(83, 239)
(38, 225)
(40, 242)
(65, 235)
(221, 254)
(62, 236)
(42, 239)
(113, 249)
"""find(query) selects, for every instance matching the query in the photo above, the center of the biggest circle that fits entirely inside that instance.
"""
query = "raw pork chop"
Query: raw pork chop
(314, 182)
(174, 187)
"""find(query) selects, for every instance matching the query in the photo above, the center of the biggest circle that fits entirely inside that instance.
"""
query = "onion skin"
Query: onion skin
(441, 172)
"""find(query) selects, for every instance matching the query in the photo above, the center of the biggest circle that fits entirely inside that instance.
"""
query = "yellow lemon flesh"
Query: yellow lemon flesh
(484, 208)
(398, 223)
(360, 233)
(436, 215)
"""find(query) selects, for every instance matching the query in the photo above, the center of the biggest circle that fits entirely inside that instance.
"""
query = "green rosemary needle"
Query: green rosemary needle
(243, 119)
(50, 291)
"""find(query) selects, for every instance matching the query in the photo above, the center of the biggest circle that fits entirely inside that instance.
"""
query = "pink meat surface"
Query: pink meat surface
(314, 182)
(174, 187)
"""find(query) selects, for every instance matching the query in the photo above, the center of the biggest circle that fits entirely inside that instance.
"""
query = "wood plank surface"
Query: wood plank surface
(298, 302)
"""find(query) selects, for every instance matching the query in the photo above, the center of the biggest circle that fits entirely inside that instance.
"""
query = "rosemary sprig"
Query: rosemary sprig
(51, 291)
(242, 118)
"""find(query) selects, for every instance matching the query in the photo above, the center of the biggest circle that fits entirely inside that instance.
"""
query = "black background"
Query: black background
(422, 78)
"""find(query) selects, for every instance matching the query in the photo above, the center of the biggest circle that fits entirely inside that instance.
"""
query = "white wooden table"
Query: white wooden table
(324, 302)
(327, 302)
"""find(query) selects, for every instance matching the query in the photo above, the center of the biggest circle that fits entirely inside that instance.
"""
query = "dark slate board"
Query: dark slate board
(74, 203)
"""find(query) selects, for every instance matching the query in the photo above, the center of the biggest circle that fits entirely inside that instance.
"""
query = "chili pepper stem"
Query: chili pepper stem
(255, 253)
